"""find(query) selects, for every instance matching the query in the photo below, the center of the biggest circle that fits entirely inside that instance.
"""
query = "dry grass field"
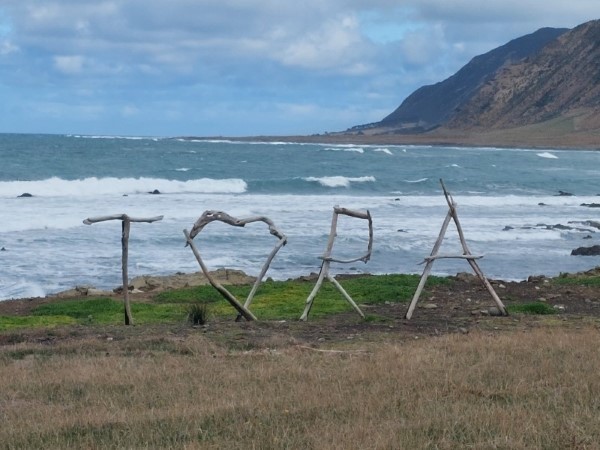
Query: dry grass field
(452, 377)
(538, 388)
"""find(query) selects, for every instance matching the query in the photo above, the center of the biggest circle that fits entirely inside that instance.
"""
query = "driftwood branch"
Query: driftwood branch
(91, 220)
(432, 258)
(125, 229)
(328, 259)
(211, 216)
(247, 314)
(471, 259)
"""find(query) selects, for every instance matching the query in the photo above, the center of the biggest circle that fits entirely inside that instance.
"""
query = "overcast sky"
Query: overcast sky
(241, 67)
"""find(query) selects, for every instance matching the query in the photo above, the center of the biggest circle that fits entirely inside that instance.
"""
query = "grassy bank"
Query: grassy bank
(275, 300)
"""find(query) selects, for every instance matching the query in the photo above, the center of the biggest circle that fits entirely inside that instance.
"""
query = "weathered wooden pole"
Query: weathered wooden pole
(125, 229)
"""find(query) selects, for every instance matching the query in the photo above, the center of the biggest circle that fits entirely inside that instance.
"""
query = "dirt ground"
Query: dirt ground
(460, 307)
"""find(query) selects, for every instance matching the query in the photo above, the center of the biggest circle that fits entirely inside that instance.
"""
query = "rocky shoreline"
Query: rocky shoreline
(158, 283)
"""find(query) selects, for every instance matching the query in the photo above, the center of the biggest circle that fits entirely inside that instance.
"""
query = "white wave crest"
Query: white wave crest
(420, 180)
(339, 181)
(58, 187)
(387, 151)
(345, 149)
(547, 155)
(21, 289)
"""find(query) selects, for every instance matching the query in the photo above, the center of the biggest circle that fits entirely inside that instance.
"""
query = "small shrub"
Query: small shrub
(532, 308)
(197, 313)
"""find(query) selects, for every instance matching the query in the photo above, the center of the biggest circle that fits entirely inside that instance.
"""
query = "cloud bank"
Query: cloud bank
(232, 67)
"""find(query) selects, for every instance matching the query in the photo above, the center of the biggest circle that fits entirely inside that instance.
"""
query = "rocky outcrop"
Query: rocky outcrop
(148, 283)
(151, 283)
(594, 250)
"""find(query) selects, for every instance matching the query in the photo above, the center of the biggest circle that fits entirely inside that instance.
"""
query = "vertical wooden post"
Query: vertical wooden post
(126, 226)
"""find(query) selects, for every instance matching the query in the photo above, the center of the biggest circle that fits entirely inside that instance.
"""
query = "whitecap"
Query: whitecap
(420, 180)
(345, 149)
(89, 187)
(21, 289)
(339, 181)
(547, 155)
(383, 150)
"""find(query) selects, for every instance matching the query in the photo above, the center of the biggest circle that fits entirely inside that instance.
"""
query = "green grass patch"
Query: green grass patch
(274, 300)
(580, 281)
(16, 322)
(110, 311)
(285, 299)
(538, 308)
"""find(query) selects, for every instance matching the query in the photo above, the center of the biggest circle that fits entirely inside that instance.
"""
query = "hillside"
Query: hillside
(542, 90)
(431, 106)
(562, 80)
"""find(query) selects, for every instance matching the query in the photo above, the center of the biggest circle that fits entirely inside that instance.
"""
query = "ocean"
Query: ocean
(508, 203)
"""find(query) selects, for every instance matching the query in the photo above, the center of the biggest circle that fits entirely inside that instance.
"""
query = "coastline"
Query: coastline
(533, 137)
(144, 287)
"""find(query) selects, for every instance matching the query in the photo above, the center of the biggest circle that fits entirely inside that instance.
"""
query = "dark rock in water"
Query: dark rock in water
(2, 249)
(587, 237)
(25, 195)
(591, 205)
(564, 194)
(594, 250)
(542, 204)
(592, 223)
(400, 230)
(507, 228)
(154, 192)
(559, 226)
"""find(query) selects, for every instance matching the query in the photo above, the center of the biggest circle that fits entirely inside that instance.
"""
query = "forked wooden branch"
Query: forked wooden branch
(211, 216)
(328, 259)
(471, 259)
(125, 229)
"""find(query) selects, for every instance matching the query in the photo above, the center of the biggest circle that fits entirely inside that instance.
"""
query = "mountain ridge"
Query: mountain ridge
(537, 87)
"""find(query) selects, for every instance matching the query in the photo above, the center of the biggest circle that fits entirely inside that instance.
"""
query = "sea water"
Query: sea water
(508, 205)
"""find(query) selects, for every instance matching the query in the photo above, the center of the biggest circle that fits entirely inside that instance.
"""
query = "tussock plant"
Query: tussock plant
(197, 313)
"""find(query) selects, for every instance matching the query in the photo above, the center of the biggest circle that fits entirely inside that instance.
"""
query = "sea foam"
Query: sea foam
(88, 187)
(340, 181)
(547, 155)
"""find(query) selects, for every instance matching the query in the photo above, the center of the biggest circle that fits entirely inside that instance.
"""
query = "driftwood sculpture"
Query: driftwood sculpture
(210, 216)
(125, 227)
(471, 259)
(327, 259)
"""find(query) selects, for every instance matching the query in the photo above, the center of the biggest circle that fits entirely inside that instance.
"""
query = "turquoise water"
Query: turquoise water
(499, 192)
